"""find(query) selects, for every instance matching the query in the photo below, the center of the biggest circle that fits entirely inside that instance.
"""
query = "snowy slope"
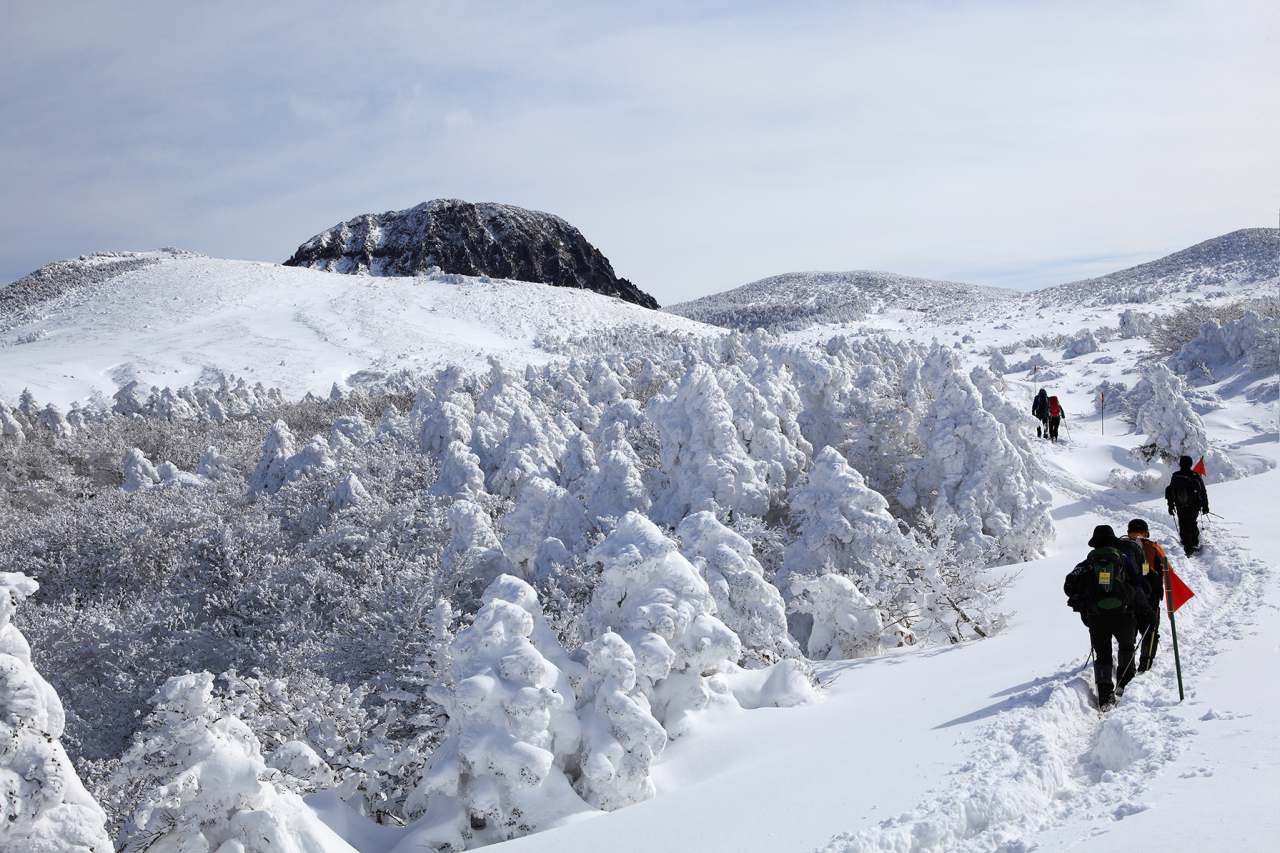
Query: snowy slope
(985, 746)
(168, 318)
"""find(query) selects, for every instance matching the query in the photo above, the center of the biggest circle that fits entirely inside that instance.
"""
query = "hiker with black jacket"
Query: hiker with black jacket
(1040, 411)
(1105, 589)
(1153, 566)
(1187, 498)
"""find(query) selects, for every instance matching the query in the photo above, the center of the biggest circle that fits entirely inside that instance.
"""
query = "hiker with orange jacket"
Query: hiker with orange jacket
(1153, 567)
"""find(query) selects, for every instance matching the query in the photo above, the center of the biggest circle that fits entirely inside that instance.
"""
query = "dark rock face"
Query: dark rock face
(496, 240)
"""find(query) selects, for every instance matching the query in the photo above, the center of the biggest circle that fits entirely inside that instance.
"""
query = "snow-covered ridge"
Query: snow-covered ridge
(1243, 261)
(167, 319)
(455, 236)
(795, 301)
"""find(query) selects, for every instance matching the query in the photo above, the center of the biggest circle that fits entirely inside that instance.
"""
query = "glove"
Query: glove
(1204, 510)
(1171, 512)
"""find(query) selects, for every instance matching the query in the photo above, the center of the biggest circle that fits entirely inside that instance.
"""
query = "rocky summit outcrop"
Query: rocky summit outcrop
(496, 240)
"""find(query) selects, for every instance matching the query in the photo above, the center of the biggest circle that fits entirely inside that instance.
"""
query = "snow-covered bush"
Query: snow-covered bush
(748, 604)
(972, 468)
(1221, 345)
(659, 604)
(846, 624)
(43, 805)
(1134, 324)
(1172, 331)
(1082, 344)
(210, 788)
(1108, 394)
(511, 716)
(1173, 428)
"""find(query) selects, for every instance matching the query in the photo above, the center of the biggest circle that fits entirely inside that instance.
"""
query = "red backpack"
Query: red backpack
(1055, 411)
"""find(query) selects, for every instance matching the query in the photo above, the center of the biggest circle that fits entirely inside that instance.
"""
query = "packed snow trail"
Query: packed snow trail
(1048, 761)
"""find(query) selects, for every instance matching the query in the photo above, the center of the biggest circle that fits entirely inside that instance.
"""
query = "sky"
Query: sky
(699, 145)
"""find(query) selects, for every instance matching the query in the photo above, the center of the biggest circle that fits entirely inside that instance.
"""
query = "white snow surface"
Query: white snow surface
(990, 745)
(296, 329)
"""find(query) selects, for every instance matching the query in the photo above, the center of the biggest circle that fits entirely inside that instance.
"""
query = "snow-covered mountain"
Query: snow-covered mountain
(169, 318)
(1242, 262)
(796, 301)
(548, 566)
(1222, 266)
(453, 236)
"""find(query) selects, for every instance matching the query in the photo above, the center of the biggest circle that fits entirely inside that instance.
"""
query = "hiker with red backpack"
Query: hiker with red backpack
(1153, 563)
(1056, 414)
(1187, 498)
(1106, 590)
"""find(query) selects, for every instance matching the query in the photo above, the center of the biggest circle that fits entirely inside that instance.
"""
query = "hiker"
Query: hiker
(1056, 414)
(1187, 498)
(1154, 564)
(1104, 588)
(1040, 411)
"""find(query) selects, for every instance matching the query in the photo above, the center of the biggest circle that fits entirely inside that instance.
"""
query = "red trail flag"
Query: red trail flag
(1199, 469)
(1179, 592)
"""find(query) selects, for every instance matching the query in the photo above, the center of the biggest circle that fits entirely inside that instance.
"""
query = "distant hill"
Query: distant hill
(794, 301)
(458, 237)
(1227, 263)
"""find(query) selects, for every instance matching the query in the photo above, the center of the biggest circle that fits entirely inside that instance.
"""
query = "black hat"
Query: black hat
(1138, 526)
(1102, 535)
(1185, 462)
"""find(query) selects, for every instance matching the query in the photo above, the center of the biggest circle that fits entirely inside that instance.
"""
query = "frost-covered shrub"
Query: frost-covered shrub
(544, 511)
(1134, 324)
(511, 714)
(659, 604)
(1148, 480)
(1082, 344)
(1174, 429)
(614, 486)
(43, 805)
(210, 787)
(748, 604)
(972, 468)
(846, 624)
(1220, 345)
(1108, 394)
(1172, 331)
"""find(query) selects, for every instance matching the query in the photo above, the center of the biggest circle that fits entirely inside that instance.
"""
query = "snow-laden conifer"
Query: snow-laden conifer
(209, 787)
(703, 456)
(846, 623)
(460, 475)
(1173, 428)
(273, 466)
(971, 467)
(614, 487)
(748, 604)
(43, 806)
(659, 604)
(544, 510)
(511, 713)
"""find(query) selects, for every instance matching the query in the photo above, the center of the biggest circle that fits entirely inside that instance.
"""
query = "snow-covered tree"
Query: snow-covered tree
(43, 806)
(708, 467)
(1173, 428)
(620, 736)
(614, 487)
(543, 511)
(210, 788)
(659, 604)
(846, 623)
(511, 713)
(971, 466)
(273, 466)
(460, 475)
(748, 604)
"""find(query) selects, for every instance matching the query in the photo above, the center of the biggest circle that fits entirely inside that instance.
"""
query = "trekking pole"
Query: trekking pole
(1173, 631)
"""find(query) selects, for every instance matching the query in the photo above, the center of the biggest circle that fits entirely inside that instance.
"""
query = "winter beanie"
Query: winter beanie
(1102, 535)
(1138, 526)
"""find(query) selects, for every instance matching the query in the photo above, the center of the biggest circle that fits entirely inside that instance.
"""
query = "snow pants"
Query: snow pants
(1042, 431)
(1102, 628)
(1189, 528)
(1053, 428)
(1148, 625)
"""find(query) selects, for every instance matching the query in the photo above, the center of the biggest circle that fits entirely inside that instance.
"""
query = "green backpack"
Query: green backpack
(1111, 589)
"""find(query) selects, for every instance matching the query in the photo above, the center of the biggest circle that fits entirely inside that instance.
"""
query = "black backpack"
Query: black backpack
(1181, 491)
(1101, 583)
